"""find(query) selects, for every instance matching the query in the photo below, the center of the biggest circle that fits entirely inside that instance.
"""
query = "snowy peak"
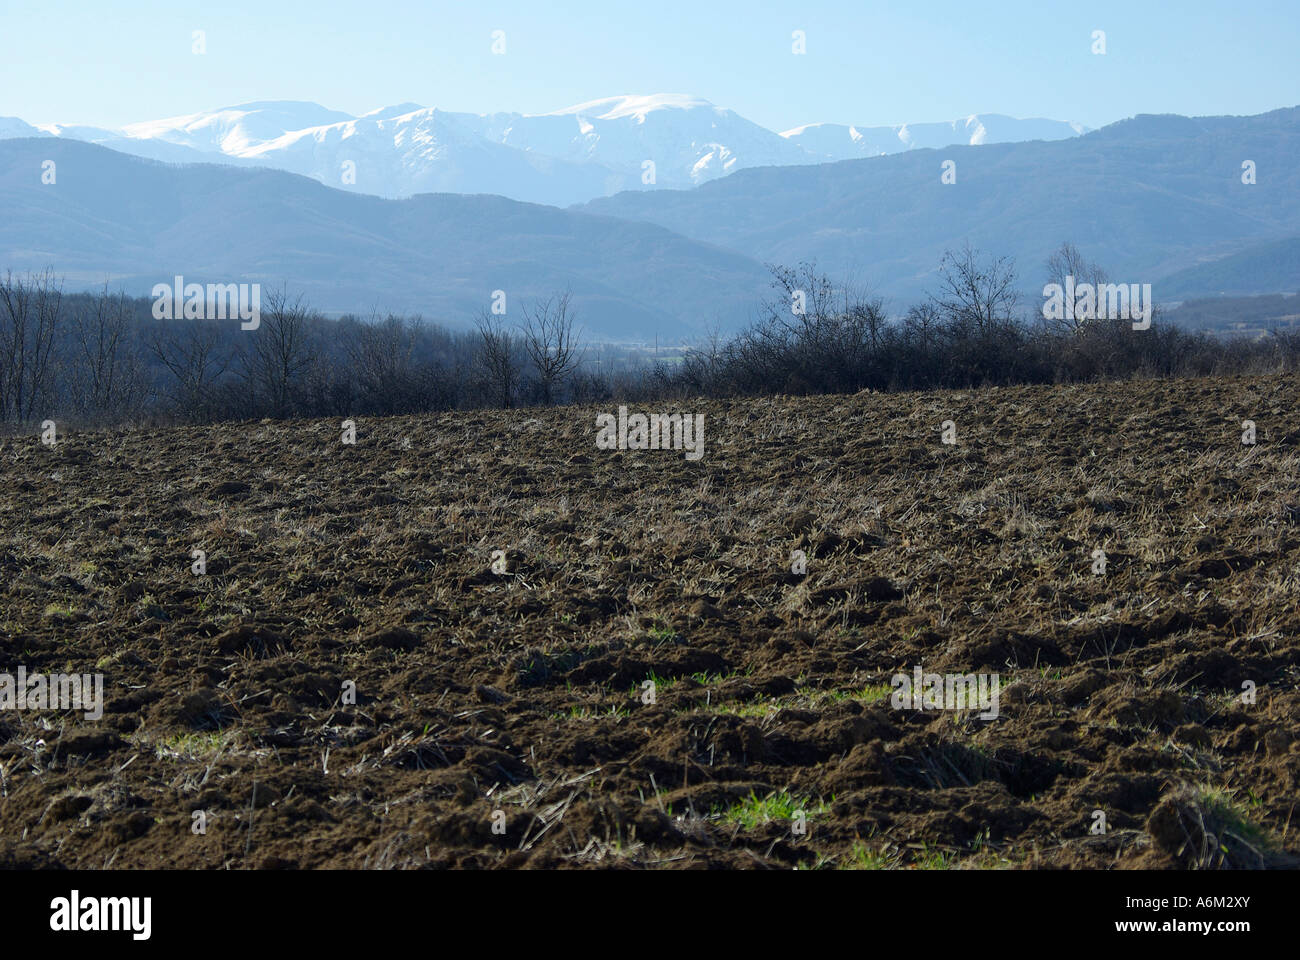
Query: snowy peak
(388, 113)
(234, 130)
(682, 140)
(835, 141)
(637, 107)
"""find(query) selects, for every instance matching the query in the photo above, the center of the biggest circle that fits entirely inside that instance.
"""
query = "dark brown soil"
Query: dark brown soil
(514, 699)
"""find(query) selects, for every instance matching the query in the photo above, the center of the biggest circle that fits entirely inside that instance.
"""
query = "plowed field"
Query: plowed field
(639, 678)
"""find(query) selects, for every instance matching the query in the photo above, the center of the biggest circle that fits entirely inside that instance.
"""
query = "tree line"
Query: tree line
(102, 358)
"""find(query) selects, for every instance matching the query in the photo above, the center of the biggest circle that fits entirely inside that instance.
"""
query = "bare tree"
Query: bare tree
(815, 331)
(280, 351)
(381, 355)
(805, 308)
(498, 357)
(864, 323)
(550, 342)
(976, 299)
(711, 349)
(196, 362)
(1067, 261)
(702, 363)
(112, 374)
(30, 313)
(923, 323)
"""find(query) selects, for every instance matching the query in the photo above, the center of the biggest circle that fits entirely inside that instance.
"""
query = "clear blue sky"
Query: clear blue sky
(95, 61)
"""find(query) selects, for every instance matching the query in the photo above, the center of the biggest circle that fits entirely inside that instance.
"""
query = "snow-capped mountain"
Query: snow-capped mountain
(236, 130)
(689, 140)
(568, 156)
(837, 141)
(592, 149)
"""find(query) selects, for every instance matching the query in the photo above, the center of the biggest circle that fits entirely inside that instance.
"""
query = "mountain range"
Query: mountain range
(1144, 198)
(568, 156)
(1154, 199)
(137, 222)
